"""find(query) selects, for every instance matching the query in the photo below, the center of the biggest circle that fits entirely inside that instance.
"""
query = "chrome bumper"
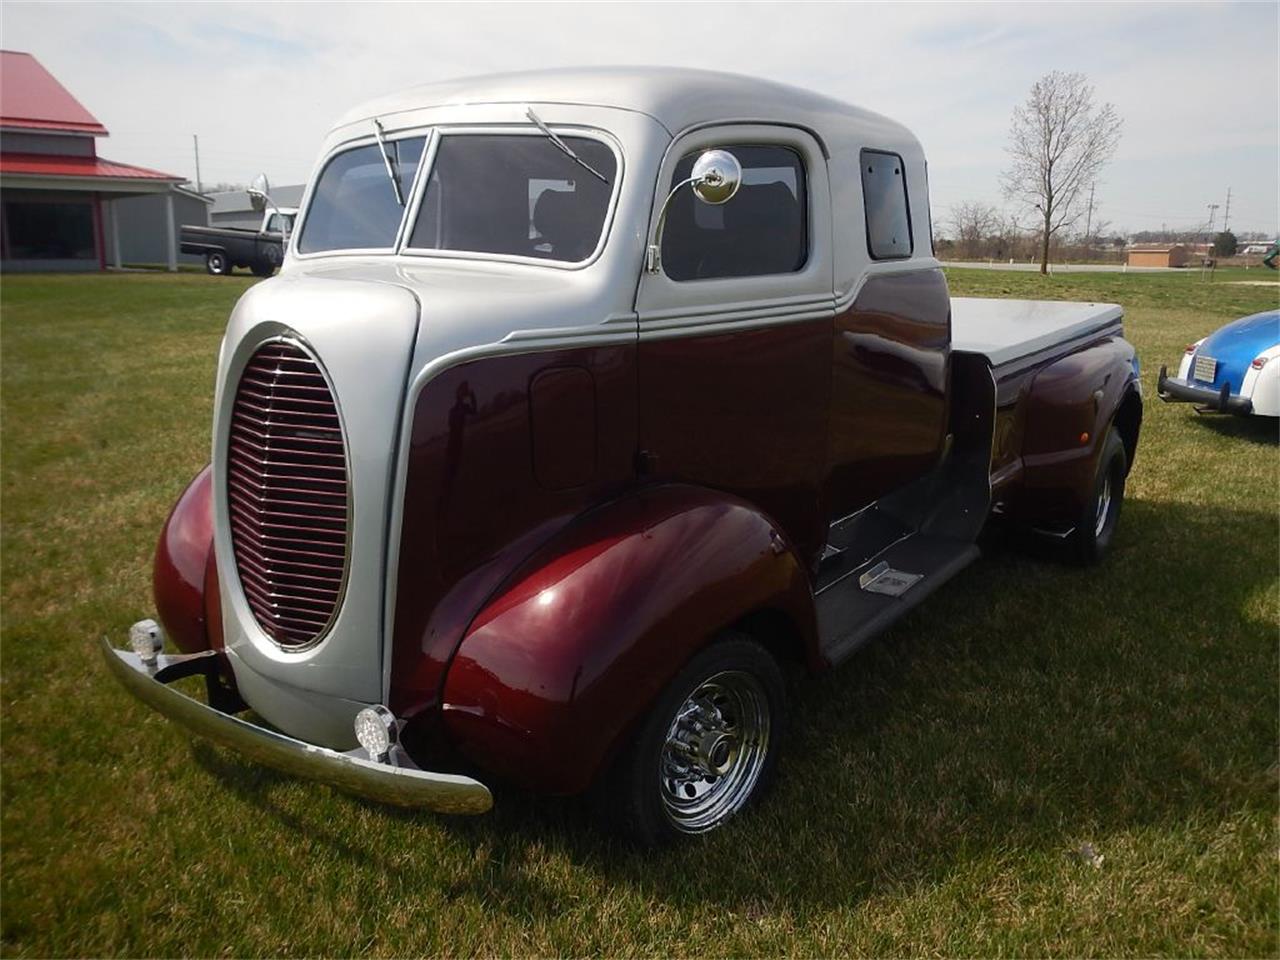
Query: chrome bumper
(398, 782)
(1172, 390)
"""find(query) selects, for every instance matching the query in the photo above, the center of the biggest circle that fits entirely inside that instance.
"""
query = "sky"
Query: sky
(1195, 84)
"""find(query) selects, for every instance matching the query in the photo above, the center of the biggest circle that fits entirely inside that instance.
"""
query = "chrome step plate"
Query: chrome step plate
(882, 578)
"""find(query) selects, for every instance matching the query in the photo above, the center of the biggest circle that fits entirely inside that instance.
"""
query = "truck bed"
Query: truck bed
(1005, 331)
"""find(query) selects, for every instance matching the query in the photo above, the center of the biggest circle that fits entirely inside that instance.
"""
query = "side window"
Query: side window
(763, 230)
(884, 195)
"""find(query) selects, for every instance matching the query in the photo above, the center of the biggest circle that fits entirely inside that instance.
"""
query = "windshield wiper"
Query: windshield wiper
(393, 166)
(564, 147)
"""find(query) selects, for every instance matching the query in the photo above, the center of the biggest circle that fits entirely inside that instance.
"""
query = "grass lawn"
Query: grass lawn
(935, 791)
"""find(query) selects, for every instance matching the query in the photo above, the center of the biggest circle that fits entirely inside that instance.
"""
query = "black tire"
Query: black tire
(216, 263)
(1096, 525)
(643, 799)
(261, 269)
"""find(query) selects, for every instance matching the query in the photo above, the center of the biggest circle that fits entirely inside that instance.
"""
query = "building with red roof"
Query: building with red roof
(61, 202)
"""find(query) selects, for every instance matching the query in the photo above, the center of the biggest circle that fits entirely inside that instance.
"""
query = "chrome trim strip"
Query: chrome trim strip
(401, 783)
(717, 326)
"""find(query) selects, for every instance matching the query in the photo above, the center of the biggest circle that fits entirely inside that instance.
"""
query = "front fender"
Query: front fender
(561, 663)
(180, 571)
(1069, 407)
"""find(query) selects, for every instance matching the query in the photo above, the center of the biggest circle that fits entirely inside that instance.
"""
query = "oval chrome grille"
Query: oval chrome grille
(287, 494)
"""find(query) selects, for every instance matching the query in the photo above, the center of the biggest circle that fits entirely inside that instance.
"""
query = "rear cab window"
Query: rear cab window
(884, 198)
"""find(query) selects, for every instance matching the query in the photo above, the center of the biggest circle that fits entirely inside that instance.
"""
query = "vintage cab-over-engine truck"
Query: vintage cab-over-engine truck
(585, 401)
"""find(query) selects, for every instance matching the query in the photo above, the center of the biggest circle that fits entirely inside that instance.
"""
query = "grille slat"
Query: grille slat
(287, 494)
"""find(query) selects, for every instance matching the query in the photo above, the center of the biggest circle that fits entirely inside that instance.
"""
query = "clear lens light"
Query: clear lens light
(146, 639)
(376, 731)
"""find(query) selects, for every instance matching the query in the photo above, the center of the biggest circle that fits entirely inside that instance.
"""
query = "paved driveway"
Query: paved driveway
(1066, 267)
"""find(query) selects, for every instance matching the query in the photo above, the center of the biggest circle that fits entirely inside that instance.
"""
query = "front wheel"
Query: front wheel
(1097, 524)
(706, 749)
(216, 263)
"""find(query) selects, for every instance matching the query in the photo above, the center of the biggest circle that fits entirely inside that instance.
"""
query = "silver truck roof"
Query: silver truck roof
(677, 97)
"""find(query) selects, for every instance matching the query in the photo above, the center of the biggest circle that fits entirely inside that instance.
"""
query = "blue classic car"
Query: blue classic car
(1236, 369)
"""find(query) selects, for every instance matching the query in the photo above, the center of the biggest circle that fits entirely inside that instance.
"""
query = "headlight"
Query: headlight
(376, 732)
(146, 639)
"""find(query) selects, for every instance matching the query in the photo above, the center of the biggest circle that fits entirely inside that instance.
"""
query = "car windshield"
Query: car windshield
(354, 206)
(516, 195)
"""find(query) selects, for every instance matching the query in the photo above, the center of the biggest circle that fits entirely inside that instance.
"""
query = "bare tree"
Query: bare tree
(1058, 141)
(971, 224)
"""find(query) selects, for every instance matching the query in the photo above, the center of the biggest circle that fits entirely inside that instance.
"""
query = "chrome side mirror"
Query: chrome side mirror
(717, 175)
(260, 193)
(715, 178)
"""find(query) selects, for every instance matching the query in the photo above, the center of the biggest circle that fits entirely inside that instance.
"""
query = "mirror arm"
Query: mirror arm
(653, 253)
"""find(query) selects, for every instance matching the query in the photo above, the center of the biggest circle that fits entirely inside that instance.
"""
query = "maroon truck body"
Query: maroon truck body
(583, 523)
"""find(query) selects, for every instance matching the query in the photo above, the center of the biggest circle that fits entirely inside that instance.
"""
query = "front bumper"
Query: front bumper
(1173, 390)
(397, 782)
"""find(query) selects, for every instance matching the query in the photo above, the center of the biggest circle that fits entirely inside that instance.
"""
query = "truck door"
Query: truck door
(735, 327)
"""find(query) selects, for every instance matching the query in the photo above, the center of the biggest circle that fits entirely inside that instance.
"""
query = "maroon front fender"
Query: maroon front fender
(183, 559)
(562, 662)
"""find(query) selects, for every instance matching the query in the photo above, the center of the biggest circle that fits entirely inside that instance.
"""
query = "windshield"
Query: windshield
(354, 206)
(515, 195)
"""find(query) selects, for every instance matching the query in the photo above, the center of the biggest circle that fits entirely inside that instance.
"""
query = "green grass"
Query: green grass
(931, 800)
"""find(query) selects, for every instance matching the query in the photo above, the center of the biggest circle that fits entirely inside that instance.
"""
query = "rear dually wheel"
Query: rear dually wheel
(1096, 526)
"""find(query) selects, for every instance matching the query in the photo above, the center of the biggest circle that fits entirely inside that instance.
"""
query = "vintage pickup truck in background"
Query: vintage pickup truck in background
(585, 402)
(225, 248)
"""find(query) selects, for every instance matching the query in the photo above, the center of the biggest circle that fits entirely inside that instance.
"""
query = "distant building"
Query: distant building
(144, 223)
(59, 200)
(1158, 255)
(231, 208)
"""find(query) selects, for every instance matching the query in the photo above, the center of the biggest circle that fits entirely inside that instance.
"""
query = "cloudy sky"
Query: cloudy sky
(260, 83)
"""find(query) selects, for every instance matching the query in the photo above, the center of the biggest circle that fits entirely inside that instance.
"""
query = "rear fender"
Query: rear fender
(1069, 407)
(560, 664)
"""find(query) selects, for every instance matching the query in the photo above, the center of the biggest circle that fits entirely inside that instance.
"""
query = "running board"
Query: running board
(868, 600)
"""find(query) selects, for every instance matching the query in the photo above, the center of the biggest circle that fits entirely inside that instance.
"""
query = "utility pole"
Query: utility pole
(1088, 221)
(1226, 214)
(196, 140)
(1213, 212)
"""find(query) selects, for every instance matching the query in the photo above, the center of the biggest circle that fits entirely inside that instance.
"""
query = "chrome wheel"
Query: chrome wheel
(715, 750)
(1104, 505)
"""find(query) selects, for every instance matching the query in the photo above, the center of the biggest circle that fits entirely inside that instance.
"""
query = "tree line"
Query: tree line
(1059, 142)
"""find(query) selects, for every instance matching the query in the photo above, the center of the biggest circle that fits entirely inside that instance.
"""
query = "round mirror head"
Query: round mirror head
(716, 174)
(259, 192)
